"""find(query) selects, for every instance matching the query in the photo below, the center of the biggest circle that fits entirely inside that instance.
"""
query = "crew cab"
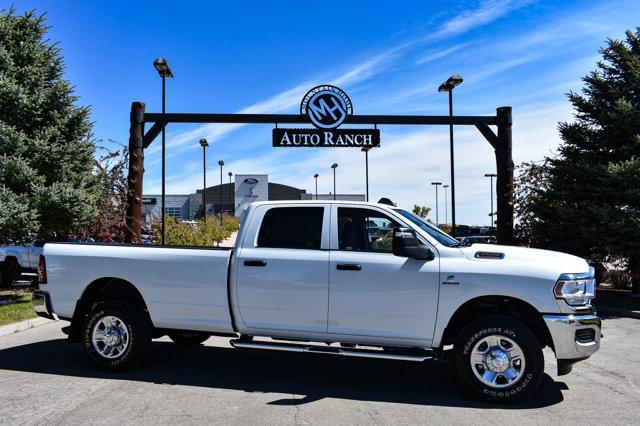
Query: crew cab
(309, 277)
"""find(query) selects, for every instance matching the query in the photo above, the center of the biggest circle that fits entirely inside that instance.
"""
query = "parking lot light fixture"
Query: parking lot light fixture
(161, 65)
(220, 163)
(316, 177)
(204, 144)
(446, 212)
(491, 176)
(436, 184)
(334, 166)
(448, 86)
(366, 168)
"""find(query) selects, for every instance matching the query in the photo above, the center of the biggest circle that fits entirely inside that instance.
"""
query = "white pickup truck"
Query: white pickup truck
(344, 278)
(19, 264)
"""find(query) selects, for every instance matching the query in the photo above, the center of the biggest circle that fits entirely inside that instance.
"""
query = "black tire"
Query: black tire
(190, 338)
(528, 378)
(138, 330)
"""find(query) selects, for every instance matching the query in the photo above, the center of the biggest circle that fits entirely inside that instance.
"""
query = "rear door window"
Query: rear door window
(292, 227)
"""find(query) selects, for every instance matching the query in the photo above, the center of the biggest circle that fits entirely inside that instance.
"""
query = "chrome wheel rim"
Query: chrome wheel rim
(497, 361)
(110, 337)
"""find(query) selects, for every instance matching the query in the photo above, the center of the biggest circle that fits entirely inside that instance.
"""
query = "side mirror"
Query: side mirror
(407, 244)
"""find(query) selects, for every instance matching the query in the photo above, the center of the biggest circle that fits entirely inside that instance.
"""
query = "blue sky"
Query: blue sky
(389, 57)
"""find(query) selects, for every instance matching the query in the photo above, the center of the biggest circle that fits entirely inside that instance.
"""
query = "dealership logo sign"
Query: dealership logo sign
(327, 107)
(251, 181)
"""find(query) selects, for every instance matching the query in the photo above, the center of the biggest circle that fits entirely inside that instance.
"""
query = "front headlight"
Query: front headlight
(576, 289)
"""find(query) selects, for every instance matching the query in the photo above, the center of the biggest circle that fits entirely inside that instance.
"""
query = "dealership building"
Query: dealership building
(230, 197)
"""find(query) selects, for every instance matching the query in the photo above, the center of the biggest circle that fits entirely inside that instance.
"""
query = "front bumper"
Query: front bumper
(575, 337)
(42, 304)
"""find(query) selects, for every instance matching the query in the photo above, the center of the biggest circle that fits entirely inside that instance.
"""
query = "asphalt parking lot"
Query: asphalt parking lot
(43, 379)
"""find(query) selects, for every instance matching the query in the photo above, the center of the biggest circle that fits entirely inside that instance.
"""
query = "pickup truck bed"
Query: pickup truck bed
(183, 288)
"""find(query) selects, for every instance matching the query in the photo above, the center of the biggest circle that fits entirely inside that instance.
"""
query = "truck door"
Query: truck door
(282, 277)
(372, 292)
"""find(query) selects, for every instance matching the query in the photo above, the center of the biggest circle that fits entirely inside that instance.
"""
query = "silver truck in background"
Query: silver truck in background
(19, 265)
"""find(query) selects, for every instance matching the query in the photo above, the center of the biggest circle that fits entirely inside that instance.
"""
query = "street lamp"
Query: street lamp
(164, 71)
(491, 176)
(448, 86)
(316, 176)
(446, 212)
(231, 192)
(204, 144)
(366, 167)
(436, 184)
(334, 166)
(221, 163)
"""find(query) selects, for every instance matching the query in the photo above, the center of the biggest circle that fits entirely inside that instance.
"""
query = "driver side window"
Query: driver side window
(364, 230)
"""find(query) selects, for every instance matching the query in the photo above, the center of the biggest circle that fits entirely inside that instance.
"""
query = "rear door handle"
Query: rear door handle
(348, 267)
(255, 263)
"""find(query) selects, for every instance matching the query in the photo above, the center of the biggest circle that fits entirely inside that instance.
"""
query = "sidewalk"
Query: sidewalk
(23, 325)
(230, 242)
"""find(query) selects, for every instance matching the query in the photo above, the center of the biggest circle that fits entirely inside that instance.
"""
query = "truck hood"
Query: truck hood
(567, 263)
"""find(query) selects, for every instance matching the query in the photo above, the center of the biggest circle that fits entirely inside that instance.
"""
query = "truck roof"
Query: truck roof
(363, 203)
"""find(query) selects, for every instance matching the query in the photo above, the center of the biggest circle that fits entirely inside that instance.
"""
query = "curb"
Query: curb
(618, 312)
(23, 325)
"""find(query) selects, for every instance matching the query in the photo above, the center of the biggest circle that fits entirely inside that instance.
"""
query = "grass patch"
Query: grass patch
(15, 306)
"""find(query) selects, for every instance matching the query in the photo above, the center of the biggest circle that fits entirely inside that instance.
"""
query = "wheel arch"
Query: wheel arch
(508, 306)
(105, 289)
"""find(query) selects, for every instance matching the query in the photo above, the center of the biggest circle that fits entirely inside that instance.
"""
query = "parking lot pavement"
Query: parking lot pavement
(45, 379)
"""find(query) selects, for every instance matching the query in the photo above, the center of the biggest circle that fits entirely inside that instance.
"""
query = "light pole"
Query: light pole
(204, 144)
(161, 65)
(446, 212)
(436, 184)
(448, 86)
(231, 194)
(334, 166)
(221, 163)
(491, 176)
(316, 176)
(366, 167)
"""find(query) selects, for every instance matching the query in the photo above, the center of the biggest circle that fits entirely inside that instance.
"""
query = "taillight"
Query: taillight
(42, 270)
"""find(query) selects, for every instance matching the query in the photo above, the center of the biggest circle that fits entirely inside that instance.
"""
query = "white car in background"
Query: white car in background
(19, 265)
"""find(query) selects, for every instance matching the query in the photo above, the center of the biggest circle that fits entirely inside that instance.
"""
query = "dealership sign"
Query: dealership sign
(327, 107)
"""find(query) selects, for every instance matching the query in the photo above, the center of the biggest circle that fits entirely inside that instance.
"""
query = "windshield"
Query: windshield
(442, 237)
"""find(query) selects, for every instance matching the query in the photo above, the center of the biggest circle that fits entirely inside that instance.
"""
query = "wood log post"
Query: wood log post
(136, 173)
(504, 181)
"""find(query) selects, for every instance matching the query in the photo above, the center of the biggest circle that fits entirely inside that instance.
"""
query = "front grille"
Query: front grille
(585, 335)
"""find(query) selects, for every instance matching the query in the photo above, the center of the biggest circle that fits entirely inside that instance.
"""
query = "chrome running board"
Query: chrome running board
(329, 350)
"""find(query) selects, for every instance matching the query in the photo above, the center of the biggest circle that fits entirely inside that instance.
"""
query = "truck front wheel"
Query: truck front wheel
(115, 335)
(499, 359)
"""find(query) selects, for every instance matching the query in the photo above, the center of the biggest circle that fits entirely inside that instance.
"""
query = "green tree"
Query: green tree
(586, 200)
(46, 153)
(421, 211)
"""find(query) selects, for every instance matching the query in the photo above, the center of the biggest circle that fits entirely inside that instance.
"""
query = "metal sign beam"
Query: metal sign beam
(501, 143)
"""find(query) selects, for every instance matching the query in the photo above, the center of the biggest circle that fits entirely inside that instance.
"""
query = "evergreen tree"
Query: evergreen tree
(586, 201)
(46, 152)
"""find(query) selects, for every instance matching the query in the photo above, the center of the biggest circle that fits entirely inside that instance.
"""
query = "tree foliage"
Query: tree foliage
(586, 200)
(204, 234)
(421, 211)
(46, 152)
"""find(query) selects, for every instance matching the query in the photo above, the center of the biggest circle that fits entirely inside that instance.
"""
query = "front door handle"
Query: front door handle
(348, 267)
(255, 263)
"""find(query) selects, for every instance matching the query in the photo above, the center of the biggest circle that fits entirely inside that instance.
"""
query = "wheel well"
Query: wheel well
(102, 290)
(496, 305)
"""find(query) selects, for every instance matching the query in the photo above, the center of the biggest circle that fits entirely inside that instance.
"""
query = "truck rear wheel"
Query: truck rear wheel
(115, 335)
(189, 338)
(499, 359)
